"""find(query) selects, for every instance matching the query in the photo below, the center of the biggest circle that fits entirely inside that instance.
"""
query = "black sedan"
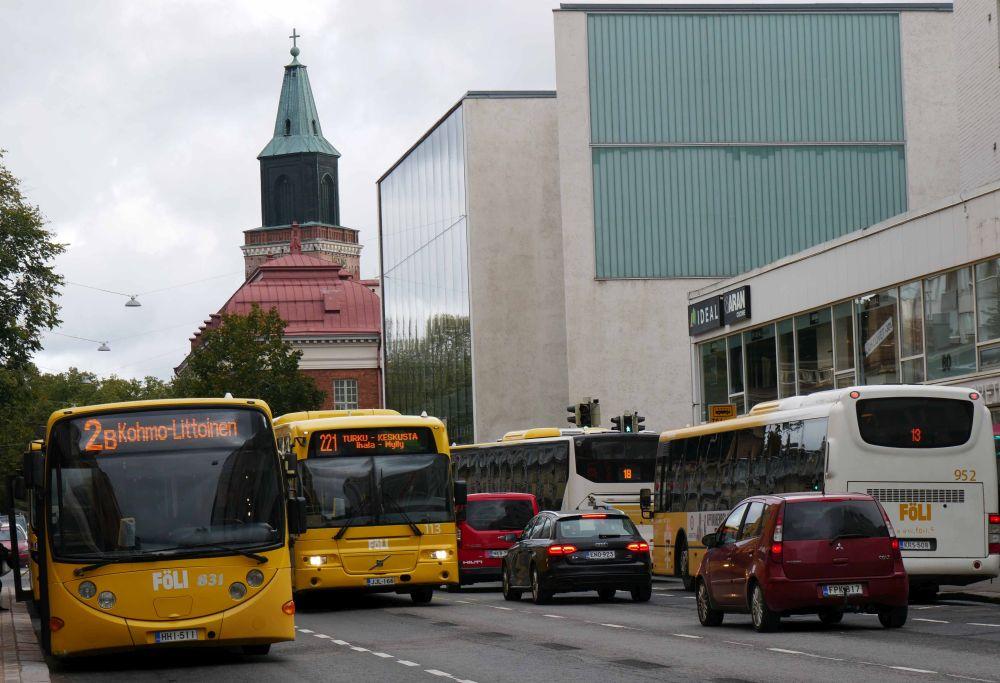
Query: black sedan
(561, 552)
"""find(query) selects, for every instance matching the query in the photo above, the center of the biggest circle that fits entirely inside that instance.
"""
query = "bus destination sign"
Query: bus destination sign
(381, 441)
(150, 430)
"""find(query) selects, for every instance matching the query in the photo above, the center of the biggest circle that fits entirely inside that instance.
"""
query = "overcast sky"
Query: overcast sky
(135, 127)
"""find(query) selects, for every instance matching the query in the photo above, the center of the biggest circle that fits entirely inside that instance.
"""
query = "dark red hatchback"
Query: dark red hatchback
(806, 553)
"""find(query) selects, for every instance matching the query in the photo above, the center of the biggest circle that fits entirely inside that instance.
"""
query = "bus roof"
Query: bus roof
(318, 414)
(817, 404)
(553, 433)
(124, 406)
(363, 421)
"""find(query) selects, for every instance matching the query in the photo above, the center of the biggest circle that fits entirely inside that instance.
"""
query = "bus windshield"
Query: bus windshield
(616, 459)
(380, 489)
(146, 483)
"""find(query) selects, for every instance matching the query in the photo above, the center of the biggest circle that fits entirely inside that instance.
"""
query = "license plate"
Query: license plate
(496, 553)
(382, 581)
(176, 636)
(843, 589)
(915, 545)
(601, 555)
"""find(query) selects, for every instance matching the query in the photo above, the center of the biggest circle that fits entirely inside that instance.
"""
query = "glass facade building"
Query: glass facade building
(424, 250)
(939, 328)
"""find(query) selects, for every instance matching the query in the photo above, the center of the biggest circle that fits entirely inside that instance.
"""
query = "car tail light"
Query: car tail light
(776, 551)
(640, 547)
(458, 536)
(894, 543)
(558, 550)
(993, 532)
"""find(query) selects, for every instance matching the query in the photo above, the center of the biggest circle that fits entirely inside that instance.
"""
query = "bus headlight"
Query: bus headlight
(87, 590)
(255, 577)
(316, 560)
(237, 591)
(106, 600)
(440, 554)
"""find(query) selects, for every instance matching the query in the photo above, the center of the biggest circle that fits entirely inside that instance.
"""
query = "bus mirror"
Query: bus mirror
(297, 515)
(461, 493)
(27, 469)
(646, 503)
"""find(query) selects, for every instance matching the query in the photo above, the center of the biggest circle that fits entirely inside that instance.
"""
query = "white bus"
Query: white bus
(565, 469)
(925, 452)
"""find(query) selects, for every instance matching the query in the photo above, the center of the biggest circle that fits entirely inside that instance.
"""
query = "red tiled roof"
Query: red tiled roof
(312, 295)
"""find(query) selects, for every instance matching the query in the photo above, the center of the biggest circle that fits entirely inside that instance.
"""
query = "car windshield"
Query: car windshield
(596, 527)
(826, 520)
(498, 514)
(129, 484)
(5, 534)
(382, 489)
(617, 458)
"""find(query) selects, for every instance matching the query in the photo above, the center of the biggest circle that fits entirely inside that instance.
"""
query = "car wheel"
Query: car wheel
(642, 593)
(763, 618)
(706, 615)
(831, 617)
(606, 594)
(539, 596)
(256, 650)
(892, 617)
(509, 593)
(685, 574)
(422, 595)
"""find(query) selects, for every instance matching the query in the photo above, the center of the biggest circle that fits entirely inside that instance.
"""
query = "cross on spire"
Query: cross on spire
(295, 36)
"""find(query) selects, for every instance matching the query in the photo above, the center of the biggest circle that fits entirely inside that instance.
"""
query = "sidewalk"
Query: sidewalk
(20, 655)
(984, 591)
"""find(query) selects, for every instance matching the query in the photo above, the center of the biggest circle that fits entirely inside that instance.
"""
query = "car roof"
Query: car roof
(812, 496)
(559, 514)
(501, 496)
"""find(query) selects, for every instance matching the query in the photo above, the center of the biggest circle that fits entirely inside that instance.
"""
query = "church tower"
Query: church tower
(300, 183)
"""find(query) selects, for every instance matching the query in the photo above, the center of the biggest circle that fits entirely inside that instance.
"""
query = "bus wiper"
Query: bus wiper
(259, 559)
(399, 509)
(80, 571)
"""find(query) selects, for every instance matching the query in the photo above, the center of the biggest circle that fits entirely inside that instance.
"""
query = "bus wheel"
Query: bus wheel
(686, 578)
(257, 650)
(422, 595)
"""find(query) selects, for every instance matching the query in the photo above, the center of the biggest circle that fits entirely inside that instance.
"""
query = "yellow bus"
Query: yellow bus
(925, 452)
(380, 501)
(160, 523)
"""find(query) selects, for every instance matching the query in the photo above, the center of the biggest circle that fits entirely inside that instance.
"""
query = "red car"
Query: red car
(22, 546)
(803, 553)
(487, 516)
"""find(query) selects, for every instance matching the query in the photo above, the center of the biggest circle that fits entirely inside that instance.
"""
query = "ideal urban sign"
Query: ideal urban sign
(726, 309)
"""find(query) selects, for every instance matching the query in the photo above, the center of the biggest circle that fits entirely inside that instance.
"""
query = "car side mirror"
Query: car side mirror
(710, 540)
(461, 493)
(297, 515)
(646, 503)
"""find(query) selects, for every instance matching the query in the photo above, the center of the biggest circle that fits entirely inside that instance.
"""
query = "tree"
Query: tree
(28, 284)
(247, 356)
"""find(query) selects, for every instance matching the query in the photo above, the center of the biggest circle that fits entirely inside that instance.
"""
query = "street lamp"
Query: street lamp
(104, 346)
(132, 302)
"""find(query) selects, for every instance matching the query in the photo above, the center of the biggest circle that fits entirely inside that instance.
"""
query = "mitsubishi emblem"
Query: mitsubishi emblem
(839, 546)
(379, 563)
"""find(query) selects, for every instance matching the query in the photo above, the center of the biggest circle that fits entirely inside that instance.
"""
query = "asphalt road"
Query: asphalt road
(476, 636)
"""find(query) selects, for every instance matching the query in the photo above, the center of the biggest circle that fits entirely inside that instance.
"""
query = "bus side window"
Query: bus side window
(674, 476)
(771, 465)
(708, 463)
(813, 459)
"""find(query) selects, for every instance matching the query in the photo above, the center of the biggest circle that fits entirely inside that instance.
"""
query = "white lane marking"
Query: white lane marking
(614, 625)
(357, 648)
(383, 655)
(506, 609)
(691, 597)
(784, 651)
(305, 630)
(685, 635)
(735, 642)
(969, 678)
(406, 662)
(435, 672)
(464, 602)
(932, 621)
(340, 642)
(912, 670)
(972, 623)
(320, 635)
(553, 616)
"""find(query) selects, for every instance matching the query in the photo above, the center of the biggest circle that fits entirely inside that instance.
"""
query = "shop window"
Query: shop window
(949, 334)
(843, 334)
(786, 358)
(988, 299)
(762, 365)
(912, 371)
(814, 336)
(877, 338)
(714, 383)
(345, 394)
(989, 358)
(735, 344)
(911, 321)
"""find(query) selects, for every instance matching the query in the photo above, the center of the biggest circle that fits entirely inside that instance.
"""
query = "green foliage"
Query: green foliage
(30, 397)
(28, 284)
(248, 357)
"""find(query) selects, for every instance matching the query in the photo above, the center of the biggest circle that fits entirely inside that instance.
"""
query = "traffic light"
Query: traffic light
(616, 423)
(586, 417)
(585, 414)
(640, 422)
(628, 423)
(574, 410)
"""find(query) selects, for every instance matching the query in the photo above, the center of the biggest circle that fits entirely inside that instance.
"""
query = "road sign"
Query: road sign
(721, 411)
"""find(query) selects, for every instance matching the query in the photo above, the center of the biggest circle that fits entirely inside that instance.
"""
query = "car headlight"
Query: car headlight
(255, 577)
(440, 554)
(87, 590)
(237, 591)
(316, 560)
(106, 600)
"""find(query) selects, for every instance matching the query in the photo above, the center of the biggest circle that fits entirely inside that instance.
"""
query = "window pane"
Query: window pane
(948, 329)
(786, 359)
(735, 364)
(731, 527)
(762, 365)
(846, 379)
(988, 299)
(345, 394)
(877, 338)
(738, 402)
(814, 333)
(843, 331)
(911, 320)
(714, 388)
(752, 524)
(989, 358)
(912, 371)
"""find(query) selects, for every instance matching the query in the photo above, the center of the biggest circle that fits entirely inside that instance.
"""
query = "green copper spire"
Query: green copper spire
(296, 128)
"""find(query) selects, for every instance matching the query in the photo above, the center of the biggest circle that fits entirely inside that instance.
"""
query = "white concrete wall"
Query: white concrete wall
(626, 339)
(930, 114)
(515, 265)
(977, 57)
(337, 356)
